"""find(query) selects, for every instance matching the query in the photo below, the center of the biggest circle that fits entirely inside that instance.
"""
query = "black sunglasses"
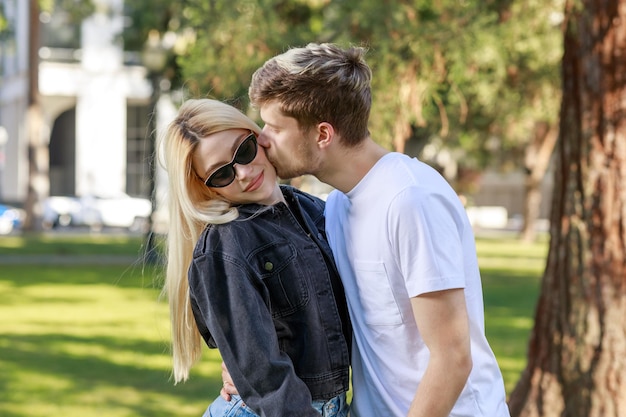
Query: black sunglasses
(225, 175)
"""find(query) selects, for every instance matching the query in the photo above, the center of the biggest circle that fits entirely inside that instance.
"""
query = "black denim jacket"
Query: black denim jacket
(265, 291)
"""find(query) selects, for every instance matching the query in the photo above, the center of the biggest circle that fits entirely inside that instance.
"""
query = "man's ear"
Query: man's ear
(325, 134)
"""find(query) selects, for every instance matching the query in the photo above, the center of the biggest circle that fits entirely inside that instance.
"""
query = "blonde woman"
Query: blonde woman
(249, 271)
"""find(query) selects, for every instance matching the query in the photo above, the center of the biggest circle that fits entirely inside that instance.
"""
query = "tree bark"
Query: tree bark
(577, 351)
(38, 139)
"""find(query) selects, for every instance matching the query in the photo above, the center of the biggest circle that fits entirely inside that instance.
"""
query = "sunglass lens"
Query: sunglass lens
(247, 151)
(244, 155)
(222, 177)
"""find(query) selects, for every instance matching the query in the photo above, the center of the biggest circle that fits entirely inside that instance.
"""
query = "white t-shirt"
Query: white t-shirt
(401, 232)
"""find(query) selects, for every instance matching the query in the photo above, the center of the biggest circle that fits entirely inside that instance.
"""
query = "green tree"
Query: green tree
(162, 21)
(480, 78)
(233, 39)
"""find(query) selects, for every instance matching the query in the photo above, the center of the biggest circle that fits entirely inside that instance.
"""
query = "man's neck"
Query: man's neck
(350, 165)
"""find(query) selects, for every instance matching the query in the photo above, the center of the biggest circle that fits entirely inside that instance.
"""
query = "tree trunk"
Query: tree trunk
(538, 155)
(38, 139)
(577, 351)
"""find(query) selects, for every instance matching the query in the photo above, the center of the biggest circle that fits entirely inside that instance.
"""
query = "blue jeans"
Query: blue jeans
(335, 407)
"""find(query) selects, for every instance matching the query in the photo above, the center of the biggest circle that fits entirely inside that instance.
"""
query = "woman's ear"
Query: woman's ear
(325, 134)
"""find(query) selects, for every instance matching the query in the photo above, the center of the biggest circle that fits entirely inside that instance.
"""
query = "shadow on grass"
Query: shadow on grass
(123, 276)
(510, 297)
(87, 341)
(58, 244)
(47, 372)
(70, 364)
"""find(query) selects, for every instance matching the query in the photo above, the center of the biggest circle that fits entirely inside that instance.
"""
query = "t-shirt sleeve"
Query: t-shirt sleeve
(424, 232)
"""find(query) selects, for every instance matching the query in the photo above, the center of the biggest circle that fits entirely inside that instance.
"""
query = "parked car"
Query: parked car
(11, 218)
(61, 211)
(119, 210)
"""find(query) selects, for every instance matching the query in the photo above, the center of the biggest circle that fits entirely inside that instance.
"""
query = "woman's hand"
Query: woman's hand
(228, 388)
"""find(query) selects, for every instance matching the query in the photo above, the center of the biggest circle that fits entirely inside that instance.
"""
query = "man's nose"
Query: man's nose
(262, 140)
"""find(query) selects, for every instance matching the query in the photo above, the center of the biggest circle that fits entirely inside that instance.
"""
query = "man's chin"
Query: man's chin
(285, 173)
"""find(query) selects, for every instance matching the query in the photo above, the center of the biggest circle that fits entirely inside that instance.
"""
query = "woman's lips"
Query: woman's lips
(255, 183)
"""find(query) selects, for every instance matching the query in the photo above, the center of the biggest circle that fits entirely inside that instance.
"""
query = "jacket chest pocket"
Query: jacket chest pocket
(278, 267)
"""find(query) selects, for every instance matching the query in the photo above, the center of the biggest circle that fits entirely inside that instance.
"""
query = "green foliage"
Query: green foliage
(3, 20)
(146, 15)
(473, 75)
(234, 38)
(77, 10)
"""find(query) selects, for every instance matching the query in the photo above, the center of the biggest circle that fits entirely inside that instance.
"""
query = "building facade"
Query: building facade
(95, 98)
(13, 98)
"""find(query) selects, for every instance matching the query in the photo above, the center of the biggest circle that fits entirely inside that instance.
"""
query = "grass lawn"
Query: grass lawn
(90, 340)
(511, 273)
(93, 340)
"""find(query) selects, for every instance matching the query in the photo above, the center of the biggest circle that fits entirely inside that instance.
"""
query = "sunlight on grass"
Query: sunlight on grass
(523, 323)
(511, 273)
(90, 341)
(13, 242)
(94, 340)
(54, 244)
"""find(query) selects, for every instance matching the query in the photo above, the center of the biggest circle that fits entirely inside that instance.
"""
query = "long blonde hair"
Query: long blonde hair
(191, 207)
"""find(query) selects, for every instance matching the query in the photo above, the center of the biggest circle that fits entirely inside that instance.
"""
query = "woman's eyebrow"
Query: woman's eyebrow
(233, 148)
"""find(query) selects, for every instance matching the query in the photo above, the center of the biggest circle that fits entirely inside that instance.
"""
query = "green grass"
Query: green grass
(511, 273)
(87, 244)
(93, 340)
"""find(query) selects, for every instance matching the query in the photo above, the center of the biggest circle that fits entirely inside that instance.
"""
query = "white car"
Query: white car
(98, 211)
(60, 211)
(119, 211)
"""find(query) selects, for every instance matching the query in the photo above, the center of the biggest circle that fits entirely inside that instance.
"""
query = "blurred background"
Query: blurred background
(470, 87)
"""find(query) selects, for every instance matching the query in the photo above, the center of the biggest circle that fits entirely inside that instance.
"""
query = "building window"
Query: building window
(138, 151)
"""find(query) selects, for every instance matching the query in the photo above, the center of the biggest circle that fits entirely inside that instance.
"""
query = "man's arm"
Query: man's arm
(443, 323)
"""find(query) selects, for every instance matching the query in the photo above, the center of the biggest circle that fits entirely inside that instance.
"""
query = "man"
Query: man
(400, 236)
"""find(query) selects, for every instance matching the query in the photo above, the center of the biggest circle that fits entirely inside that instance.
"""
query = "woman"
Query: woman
(250, 272)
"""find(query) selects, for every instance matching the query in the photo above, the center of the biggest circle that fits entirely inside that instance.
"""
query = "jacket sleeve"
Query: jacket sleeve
(230, 302)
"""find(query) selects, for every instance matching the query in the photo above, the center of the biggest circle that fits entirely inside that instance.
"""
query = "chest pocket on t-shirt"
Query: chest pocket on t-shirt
(278, 267)
(375, 291)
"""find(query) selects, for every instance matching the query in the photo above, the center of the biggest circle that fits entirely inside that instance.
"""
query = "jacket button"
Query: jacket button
(268, 266)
